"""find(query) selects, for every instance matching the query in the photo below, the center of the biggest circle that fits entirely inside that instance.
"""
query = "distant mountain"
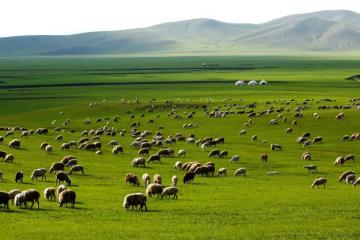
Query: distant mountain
(325, 31)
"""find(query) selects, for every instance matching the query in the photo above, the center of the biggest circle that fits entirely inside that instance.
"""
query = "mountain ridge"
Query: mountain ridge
(324, 31)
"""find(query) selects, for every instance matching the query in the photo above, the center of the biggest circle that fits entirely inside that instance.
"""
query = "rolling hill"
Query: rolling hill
(325, 31)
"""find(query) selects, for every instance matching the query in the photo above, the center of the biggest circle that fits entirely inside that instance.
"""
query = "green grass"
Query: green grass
(255, 207)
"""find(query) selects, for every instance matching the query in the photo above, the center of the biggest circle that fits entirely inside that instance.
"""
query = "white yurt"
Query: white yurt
(252, 83)
(263, 82)
(239, 83)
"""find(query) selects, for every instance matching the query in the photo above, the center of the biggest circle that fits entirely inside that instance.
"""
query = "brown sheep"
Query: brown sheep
(67, 196)
(132, 179)
(4, 199)
(133, 200)
(144, 151)
(215, 152)
(154, 158)
(188, 177)
(61, 177)
(32, 196)
(264, 157)
(57, 166)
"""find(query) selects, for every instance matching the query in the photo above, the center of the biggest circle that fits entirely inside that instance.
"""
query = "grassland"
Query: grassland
(255, 207)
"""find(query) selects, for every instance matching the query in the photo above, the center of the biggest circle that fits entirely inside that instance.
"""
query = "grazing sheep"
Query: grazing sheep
(289, 130)
(133, 200)
(19, 176)
(154, 158)
(154, 188)
(99, 152)
(67, 196)
(157, 178)
(306, 156)
(264, 157)
(319, 181)
(77, 168)
(138, 162)
(340, 116)
(2, 154)
(61, 177)
(49, 194)
(113, 143)
(43, 145)
(60, 188)
(254, 138)
(234, 159)
(181, 153)
(350, 179)
(71, 163)
(174, 180)
(57, 166)
(42, 131)
(9, 158)
(215, 152)
(339, 161)
(59, 138)
(32, 196)
(25, 134)
(311, 168)
(306, 143)
(240, 171)
(144, 151)
(146, 179)
(48, 149)
(356, 182)
(345, 138)
(223, 154)
(4, 199)
(318, 140)
(165, 152)
(178, 165)
(350, 157)
(40, 172)
(189, 177)
(275, 146)
(170, 191)
(204, 146)
(66, 159)
(345, 174)
(301, 139)
(132, 179)
(14, 143)
(19, 199)
(222, 172)
(117, 149)
(65, 146)
(13, 193)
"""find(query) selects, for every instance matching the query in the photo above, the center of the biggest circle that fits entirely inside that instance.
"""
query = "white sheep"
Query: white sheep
(222, 172)
(234, 159)
(181, 153)
(48, 149)
(174, 180)
(170, 191)
(240, 171)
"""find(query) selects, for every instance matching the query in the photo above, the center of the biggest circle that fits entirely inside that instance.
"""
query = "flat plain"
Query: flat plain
(33, 92)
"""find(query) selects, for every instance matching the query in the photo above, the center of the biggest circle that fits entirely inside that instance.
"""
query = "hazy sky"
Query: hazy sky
(25, 17)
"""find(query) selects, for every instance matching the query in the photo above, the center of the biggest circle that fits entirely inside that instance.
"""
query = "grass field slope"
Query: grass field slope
(179, 101)
(324, 31)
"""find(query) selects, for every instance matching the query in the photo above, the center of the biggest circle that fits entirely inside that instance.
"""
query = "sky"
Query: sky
(43, 17)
